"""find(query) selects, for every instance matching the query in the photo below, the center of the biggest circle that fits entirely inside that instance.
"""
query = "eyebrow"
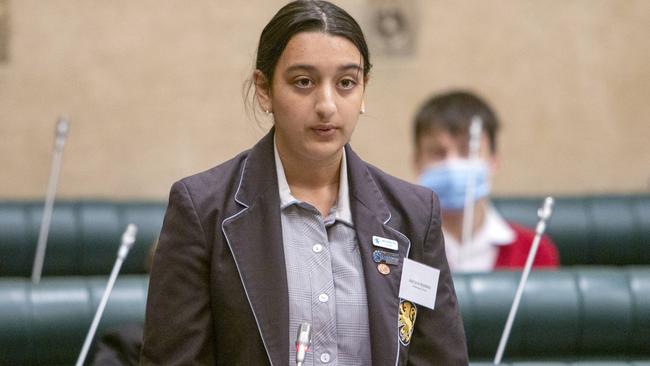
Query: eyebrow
(350, 66)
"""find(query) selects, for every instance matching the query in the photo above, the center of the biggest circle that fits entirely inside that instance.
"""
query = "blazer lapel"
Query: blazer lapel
(254, 235)
(371, 215)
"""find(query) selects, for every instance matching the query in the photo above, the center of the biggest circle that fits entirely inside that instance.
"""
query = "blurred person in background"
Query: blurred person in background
(441, 137)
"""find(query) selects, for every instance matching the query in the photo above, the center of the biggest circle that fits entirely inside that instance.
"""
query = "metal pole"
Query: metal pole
(62, 128)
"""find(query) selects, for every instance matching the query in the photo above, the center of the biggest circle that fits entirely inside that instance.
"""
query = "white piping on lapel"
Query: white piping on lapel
(408, 249)
(407, 254)
(388, 219)
(241, 179)
(223, 229)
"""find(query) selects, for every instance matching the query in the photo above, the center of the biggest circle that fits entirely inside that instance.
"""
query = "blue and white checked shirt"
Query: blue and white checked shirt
(324, 277)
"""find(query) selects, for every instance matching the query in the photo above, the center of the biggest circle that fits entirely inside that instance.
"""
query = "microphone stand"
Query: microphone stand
(62, 128)
(128, 238)
(303, 341)
(475, 130)
(544, 214)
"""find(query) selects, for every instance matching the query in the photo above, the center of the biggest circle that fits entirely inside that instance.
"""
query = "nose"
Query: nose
(326, 102)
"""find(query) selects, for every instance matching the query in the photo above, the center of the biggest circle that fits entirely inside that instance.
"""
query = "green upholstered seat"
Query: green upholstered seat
(46, 324)
(578, 363)
(579, 315)
(84, 236)
(598, 312)
(598, 230)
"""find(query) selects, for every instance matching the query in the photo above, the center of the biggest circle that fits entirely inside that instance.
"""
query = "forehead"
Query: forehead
(442, 137)
(444, 140)
(320, 50)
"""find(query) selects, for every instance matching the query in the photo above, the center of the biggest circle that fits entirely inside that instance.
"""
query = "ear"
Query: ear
(262, 91)
(366, 78)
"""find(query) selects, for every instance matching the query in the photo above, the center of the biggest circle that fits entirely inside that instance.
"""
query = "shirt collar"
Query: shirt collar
(342, 205)
(480, 253)
(494, 231)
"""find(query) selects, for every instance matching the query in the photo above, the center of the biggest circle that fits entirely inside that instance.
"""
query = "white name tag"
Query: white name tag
(419, 283)
(378, 241)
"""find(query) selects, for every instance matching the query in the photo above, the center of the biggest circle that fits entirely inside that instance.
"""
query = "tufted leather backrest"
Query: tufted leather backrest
(598, 312)
(46, 324)
(580, 314)
(84, 236)
(577, 363)
(599, 230)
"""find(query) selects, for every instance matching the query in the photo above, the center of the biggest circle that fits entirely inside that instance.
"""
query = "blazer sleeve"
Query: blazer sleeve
(178, 322)
(438, 337)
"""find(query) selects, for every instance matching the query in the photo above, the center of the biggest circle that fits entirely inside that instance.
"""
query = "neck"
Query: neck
(314, 182)
(452, 221)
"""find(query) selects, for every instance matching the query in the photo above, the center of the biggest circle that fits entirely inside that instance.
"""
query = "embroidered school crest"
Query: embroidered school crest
(407, 313)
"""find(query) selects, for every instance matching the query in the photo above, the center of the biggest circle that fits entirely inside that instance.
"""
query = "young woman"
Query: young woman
(300, 229)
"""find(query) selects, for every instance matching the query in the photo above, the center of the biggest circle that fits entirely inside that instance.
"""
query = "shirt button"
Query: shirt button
(317, 248)
(325, 357)
(323, 298)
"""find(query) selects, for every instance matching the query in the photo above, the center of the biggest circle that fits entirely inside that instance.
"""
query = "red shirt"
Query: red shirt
(514, 255)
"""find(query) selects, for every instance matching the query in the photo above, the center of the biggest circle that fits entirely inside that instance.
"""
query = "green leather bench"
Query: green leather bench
(568, 315)
(600, 230)
(85, 235)
(565, 316)
(46, 324)
(581, 363)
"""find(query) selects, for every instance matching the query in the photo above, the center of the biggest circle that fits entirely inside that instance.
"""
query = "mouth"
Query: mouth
(324, 130)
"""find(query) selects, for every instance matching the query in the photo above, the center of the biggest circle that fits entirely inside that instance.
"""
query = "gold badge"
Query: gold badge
(383, 268)
(407, 314)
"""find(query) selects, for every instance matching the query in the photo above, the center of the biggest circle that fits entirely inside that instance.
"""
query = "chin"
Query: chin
(323, 151)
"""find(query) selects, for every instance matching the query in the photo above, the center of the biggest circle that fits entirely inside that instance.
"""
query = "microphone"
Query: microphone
(544, 213)
(475, 130)
(61, 134)
(128, 238)
(303, 341)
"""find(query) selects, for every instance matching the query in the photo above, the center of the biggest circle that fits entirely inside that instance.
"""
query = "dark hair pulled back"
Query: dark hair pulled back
(307, 16)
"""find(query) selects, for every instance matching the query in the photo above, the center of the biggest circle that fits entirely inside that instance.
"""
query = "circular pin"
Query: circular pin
(383, 268)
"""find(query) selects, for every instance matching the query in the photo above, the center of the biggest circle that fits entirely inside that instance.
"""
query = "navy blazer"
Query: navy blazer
(218, 287)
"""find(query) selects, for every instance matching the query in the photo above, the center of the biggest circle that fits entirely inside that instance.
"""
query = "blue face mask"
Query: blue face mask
(450, 178)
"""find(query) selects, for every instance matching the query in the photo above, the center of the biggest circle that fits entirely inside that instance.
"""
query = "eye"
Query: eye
(347, 84)
(303, 83)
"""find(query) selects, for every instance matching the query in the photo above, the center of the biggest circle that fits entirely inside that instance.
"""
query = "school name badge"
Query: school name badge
(419, 283)
(407, 314)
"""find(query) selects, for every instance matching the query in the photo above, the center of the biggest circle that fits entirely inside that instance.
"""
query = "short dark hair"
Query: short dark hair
(304, 16)
(452, 112)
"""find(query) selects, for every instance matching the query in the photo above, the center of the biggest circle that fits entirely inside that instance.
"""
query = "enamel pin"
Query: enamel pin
(383, 268)
(407, 314)
(381, 256)
(378, 241)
